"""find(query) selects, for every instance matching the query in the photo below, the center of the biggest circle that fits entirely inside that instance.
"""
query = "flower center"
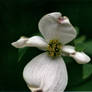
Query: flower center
(54, 48)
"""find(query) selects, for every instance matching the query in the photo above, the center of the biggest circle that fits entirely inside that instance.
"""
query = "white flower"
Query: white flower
(47, 72)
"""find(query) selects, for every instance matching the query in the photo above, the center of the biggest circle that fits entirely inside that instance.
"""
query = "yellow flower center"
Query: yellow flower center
(54, 48)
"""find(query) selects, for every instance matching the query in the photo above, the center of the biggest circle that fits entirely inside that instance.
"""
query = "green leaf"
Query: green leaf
(80, 47)
(77, 29)
(86, 86)
(88, 46)
(21, 52)
(87, 70)
(86, 81)
(79, 43)
(74, 74)
(80, 39)
(67, 59)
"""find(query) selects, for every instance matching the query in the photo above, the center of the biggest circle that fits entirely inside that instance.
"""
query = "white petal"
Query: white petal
(46, 73)
(80, 57)
(35, 41)
(20, 43)
(68, 49)
(54, 26)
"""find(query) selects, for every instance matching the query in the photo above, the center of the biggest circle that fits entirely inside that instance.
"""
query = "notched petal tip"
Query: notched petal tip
(34, 41)
(64, 20)
(59, 18)
(54, 26)
(81, 57)
(35, 89)
(20, 43)
(14, 45)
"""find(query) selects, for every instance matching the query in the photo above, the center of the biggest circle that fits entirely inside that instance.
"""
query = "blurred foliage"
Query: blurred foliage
(79, 47)
(87, 70)
(79, 43)
(20, 17)
(80, 40)
(88, 46)
(21, 53)
(77, 29)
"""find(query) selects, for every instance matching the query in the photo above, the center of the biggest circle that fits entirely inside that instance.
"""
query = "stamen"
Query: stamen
(54, 48)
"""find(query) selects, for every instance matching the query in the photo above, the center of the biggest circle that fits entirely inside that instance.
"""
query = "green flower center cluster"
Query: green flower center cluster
(54, 48)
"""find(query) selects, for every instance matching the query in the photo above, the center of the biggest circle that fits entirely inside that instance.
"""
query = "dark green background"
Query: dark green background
(21, 17)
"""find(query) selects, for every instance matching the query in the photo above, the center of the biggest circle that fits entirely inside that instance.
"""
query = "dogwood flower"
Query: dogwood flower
(47, 72)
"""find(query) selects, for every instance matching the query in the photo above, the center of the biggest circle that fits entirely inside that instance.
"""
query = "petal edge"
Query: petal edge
(44, 71)
(52, 29)
(81, 57)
